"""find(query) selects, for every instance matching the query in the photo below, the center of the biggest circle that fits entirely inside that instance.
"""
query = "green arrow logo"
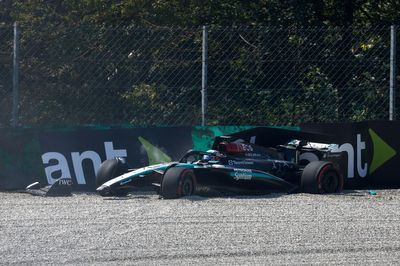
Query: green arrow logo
(382, 151)
(154, 154)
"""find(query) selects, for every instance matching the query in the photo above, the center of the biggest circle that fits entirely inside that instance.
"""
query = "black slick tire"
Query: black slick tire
(320, 177)
(178, 182)
(108, 170)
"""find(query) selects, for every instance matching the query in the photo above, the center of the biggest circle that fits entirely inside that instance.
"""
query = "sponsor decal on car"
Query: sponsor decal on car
(242, 174)
(233, 162)
(253, 154)
(125, 182)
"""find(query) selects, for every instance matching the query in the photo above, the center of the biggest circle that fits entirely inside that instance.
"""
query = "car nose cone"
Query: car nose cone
(103, 190)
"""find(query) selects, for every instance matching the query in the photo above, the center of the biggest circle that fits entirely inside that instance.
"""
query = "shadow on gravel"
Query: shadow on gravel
(229, 195)
(199, 197)
(353, 193)
(129, 197)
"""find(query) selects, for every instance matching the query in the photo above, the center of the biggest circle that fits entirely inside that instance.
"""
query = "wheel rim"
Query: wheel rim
(187, 186)
(330, 182)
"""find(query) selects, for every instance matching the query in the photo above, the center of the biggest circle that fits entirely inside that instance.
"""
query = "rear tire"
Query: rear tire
(320, 177)
(178, 182)
(110, 169)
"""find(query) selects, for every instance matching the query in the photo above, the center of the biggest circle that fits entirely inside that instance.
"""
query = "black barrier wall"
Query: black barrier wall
(44, 155)
(29, 155)
(78, 154)
(372, 150)
(20, 162)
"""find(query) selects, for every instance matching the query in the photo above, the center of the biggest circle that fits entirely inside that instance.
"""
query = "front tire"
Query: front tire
(320, 177)
(178, 182)
(110, 169)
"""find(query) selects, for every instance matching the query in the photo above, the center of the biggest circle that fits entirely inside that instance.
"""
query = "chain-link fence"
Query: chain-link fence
(281, 76)
(153, 76)
(6, 67)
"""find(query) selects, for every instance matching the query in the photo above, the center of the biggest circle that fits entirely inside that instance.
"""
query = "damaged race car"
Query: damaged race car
(247, 162)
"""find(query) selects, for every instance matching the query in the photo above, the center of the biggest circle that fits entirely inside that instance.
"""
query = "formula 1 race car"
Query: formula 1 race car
(235, 165)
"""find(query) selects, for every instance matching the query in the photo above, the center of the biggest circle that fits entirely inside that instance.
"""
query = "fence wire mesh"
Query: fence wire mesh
(6, 51)
(275, 76)
(110, 75)
(153, 76)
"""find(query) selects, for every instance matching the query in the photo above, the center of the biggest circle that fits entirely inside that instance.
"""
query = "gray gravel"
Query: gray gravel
(85, 229)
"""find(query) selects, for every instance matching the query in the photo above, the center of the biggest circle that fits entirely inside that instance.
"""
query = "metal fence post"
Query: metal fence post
(392, 97)
(204, 77)
(14, 119)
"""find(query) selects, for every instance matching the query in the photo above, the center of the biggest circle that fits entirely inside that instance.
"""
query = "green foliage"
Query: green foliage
(150, 105)
(120, 56)
(196, 12)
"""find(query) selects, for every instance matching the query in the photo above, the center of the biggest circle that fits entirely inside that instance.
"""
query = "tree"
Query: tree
(78, 56)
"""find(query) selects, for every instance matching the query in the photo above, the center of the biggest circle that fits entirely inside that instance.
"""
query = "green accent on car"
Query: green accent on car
(383, 152)
(188, 165)
(125, 181)
(154, 154)
(268, 176)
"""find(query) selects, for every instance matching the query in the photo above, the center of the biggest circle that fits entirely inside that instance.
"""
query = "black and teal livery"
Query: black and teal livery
(238, 164)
